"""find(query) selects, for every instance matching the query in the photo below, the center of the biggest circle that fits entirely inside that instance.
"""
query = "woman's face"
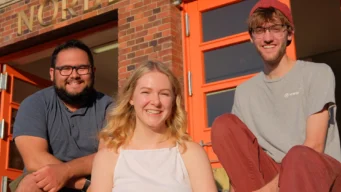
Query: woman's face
(153, 100)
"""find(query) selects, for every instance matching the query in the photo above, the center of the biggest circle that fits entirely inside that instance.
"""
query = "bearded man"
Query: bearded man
(55, 129)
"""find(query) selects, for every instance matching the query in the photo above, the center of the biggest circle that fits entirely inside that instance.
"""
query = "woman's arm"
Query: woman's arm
(199, 168)
(102, 174)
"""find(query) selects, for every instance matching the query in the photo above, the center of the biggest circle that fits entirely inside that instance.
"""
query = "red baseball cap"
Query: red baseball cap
(283, 8)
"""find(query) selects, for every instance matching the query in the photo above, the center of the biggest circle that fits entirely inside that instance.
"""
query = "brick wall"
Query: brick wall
(149, 29)
(9, 18)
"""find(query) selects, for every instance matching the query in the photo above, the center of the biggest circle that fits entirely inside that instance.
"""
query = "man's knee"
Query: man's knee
(224, 126)
(301, 155)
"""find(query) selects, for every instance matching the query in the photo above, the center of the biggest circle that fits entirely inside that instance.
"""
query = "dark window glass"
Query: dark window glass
(231, 61)
(14, 114)
(15, 160)
(22, 89)
(225, 21)
(219, 103)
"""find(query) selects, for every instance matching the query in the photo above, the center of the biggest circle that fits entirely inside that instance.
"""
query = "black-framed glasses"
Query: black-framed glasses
(81, 69)
(276, 30)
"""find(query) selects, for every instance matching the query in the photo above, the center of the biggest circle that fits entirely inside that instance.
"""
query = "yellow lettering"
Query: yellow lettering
(40, 12)
(23, 17)
(112, 1)
(68, 9)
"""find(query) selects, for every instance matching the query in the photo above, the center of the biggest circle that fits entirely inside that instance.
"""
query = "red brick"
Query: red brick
(138, 5)
(157, 23)
(146, 2)
(138, 10)
(167, 58)
(88, 15)
(124, 75)
(148, 13)
(139, 28)
(148, 50)
(140, 59)
(105, 9)
(166, 33)
(152, 30)
(164, 27)
(163, 2)
(143, 45)
(166, 52)
(122, 57)
(124, 63)
(125, 51)
(130, 31)
(122, 33)
(164, 39)
(139, 53)
(139, 40)
(149, 37)
(8, 32)
(130, 43)
(140, 34)
(139, 22)
(122, 70)
(152, 6)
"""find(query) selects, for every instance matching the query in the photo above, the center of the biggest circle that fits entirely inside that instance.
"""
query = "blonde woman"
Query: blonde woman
(146, 147)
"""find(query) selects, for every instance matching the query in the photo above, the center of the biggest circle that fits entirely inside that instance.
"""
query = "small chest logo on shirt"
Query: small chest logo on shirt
(287, 95)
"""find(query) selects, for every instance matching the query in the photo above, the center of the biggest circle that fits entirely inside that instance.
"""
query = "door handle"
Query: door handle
(2, 129)
(202, 144)
(4, 181)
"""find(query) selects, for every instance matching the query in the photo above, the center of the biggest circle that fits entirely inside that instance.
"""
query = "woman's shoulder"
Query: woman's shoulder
(106, 155)
(191, 148)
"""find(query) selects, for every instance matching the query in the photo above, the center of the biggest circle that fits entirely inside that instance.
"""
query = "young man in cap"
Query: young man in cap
(282, 134)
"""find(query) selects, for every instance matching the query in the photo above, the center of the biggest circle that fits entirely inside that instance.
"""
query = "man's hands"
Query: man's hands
(28, 184)
(50, 178)
(53, 177)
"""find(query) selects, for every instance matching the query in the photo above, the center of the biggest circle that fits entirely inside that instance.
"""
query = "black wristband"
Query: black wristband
(86, 185)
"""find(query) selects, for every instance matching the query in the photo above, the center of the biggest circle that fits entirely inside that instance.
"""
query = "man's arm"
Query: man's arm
(49, 168)
(320, 98)
(316, 130)
(34, 151)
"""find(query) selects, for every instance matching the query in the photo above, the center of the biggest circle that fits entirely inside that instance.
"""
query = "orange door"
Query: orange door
(16, 87)
(218, 57)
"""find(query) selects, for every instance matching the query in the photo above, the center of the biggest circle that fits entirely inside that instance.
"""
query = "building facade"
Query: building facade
(204, 42)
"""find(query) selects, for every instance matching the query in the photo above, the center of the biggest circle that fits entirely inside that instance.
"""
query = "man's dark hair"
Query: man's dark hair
(71, 44)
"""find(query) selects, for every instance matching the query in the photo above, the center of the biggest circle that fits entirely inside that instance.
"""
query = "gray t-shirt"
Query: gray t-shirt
(70, 135)
(276, 111)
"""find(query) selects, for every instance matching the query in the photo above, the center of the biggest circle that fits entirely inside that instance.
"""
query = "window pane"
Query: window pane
(15, 160)
(22, 89)
(231, 61)
(225, 21)
(14, 114)
(219, 103)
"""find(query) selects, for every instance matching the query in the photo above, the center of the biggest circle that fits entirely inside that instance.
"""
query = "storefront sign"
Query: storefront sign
(28, 21)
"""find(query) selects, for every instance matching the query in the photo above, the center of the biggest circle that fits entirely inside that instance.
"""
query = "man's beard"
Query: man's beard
(84, 98)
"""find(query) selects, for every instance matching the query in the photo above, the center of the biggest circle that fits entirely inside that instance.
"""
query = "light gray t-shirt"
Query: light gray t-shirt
(276, 111)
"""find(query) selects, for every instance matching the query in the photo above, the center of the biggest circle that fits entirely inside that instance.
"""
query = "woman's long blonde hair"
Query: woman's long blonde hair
(121, 119)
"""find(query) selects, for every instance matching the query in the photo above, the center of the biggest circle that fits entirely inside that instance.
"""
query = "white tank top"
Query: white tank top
(156, 170)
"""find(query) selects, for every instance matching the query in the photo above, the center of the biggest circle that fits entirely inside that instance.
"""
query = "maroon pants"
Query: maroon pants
(250, 168)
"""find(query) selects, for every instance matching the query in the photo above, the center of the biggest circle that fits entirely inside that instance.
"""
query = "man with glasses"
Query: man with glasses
(282, 134)
(56, 128)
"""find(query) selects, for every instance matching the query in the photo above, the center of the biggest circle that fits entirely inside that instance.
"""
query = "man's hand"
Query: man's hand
(28, 184)
(52, 178)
